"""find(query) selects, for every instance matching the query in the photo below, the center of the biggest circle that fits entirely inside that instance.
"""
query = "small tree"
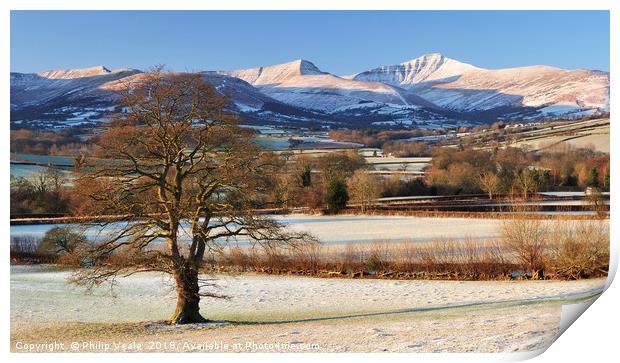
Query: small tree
(336, 196)
(78, 162)
(62, 240)
(526, 182)
(595, 199)
(363, 188)
(489, 182)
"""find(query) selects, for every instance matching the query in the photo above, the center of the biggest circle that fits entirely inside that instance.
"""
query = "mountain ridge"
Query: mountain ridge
(421, 92)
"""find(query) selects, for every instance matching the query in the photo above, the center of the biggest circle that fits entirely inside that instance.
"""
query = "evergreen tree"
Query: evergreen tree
(593, 178)
(337, 196)
(306, 175)
(607, 181)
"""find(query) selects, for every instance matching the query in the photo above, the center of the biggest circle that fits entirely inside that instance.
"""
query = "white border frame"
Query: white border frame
(593, 336)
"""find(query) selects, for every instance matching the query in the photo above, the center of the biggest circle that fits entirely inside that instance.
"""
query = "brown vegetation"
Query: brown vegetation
(45, 193)
(66, 142)
(376, 138)
(527, 249)
(176, 155)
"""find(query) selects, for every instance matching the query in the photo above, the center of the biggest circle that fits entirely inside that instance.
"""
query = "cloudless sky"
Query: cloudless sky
(337, 42)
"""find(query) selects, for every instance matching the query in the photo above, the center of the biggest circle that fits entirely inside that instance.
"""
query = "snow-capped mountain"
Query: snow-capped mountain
(429, 67)
(300, 83)
(66, 93)
(87, 95)
(462, 87)
(427, 91)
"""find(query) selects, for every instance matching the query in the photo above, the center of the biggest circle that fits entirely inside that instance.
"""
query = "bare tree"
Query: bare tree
(594, 198)
(363, 188)
(526, 182)
(78, 162)
(185, 179)
(490, 183)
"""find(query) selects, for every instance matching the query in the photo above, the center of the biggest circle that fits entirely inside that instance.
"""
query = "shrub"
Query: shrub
(527, 240)
(377, 259)
(581, 250)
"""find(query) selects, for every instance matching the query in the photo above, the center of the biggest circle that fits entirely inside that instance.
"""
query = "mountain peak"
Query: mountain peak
(276, 73)
(429, 57)
(434, 61)
(75, 73)
(298, 66)
(428, 67)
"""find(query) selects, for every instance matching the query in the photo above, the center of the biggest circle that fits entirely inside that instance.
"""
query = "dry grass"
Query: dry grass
(441, 259)
(476, 215)
(581, 250)
(527, 248)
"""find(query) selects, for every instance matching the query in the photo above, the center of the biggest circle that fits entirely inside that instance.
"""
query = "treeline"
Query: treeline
(65, 142)
(332, 181)
(377, 138)
(406, 149)
(515, 171)
(43, 194)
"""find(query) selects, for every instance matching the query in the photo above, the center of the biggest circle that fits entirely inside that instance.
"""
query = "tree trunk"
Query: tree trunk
(188, 297)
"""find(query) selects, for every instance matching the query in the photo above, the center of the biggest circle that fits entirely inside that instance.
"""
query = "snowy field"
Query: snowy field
(333, 314)
(597, 139)
(354, 229)
(346, 229)
(596, 142)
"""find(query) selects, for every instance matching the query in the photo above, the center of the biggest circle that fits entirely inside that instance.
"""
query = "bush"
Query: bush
(527, 241)
(582, 250)
(377, 259)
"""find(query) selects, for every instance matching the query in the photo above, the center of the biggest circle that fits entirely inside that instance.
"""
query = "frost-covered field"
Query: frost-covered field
(334, 314)
(341, 229)
(597, 139)
(344, 229)
(596, 142)
(356, 229)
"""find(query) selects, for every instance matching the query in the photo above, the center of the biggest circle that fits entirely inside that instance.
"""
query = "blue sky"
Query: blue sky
(337, 42)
